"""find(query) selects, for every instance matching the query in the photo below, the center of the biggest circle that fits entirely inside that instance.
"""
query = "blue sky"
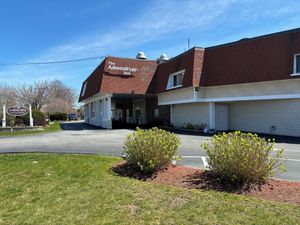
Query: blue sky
(35, 31)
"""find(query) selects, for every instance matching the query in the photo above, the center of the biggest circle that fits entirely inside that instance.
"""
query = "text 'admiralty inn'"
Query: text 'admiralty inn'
(249, 85)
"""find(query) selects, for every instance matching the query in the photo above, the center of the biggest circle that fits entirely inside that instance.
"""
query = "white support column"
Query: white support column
(108, 108)
(212, 115)
(30, 117)
(108, 113)
(4, 116)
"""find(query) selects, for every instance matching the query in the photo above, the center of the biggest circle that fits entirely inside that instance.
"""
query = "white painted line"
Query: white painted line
(191, 157)
(204, 157)
(295, 160)
(205, 163)
(286, 150)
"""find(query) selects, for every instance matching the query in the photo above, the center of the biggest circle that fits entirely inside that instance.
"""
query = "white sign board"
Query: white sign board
(17, 111)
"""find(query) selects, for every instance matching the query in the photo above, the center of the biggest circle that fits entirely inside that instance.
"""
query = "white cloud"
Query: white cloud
(158, 20)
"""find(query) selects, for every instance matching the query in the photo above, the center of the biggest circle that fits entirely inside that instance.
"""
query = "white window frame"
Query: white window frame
(171, 79)
(83, 89)
(295, 72)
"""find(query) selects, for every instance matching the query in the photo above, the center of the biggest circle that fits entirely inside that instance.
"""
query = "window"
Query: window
(93, 109)
(83, 89)
(175, 79)
(296, 65)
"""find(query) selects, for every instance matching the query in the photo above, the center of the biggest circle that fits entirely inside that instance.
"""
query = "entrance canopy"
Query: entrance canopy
(133, 109)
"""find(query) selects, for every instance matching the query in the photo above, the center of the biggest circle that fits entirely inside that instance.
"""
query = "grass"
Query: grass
(51, 128)
(81, 189)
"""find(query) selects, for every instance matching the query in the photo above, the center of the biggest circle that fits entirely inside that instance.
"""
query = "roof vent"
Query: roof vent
(163, 58)
(141, 55)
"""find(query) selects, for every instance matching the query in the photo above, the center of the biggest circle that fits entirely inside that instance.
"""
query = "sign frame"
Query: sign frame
(17, 110)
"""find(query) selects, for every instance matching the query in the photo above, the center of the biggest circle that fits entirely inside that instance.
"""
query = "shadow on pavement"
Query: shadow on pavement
(78, 126)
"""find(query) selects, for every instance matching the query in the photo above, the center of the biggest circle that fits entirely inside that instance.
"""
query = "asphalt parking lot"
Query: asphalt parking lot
(77, 137)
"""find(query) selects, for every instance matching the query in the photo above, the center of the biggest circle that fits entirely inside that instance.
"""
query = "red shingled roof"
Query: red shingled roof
(263, 58)
(190, 60)
(120, 75)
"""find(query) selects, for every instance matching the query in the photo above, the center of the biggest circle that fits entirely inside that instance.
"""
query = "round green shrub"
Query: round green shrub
(38, 117)
(58, 116)
(243, 158)
(150, 150)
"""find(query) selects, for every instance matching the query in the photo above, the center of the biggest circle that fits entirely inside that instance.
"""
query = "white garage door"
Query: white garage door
(280, 117)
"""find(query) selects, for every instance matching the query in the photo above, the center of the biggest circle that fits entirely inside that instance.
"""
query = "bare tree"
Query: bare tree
(37, 94)
(47, 96)
(7, 95)
(62, 97)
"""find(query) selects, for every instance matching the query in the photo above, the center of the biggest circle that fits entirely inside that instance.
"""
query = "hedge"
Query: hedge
(58, 116)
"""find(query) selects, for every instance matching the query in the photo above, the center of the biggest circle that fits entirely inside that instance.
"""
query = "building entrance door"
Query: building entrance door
(138, 115)
(222, 117)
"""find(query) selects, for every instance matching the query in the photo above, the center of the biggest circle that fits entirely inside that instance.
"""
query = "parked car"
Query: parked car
(72, 116)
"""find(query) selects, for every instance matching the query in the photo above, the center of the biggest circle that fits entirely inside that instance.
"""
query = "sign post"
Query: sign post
(4, 117)
(30, 117)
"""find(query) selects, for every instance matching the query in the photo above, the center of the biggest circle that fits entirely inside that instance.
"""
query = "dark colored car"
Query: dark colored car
(72, 116)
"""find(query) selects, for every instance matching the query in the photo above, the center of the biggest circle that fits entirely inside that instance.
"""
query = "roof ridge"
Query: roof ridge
(142, 60)
(245, 39)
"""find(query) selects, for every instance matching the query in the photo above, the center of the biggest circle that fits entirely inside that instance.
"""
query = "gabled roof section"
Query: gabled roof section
(191, 61)
(127, 76)
(120, 75)
(263, 58)
(91, 85)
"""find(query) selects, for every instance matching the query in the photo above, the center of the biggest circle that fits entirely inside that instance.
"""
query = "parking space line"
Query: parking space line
(204, 158)
(295, 160)
(286, 150)
(191, 157)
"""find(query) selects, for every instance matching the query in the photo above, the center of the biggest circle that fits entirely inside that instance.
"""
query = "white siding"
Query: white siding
(102, 116)
(281, 87)
(195, 113)
(177, 95)
(259, 116)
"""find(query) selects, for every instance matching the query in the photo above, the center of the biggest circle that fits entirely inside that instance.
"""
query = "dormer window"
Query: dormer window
(296, 70)
(175, 80)
(83, 89)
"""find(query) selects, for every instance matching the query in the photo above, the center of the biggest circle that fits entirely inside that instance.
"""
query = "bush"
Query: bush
(39, 118)
(59, 116)
(243, 158)
(150, 150)
(189, 126)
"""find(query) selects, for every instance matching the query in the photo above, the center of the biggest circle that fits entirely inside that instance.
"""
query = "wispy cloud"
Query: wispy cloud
(158, 20)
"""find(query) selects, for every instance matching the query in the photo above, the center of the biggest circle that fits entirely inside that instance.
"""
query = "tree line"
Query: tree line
(47, 96)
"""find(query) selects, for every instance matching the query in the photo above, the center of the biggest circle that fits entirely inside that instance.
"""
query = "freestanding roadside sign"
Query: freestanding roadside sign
(17, 111)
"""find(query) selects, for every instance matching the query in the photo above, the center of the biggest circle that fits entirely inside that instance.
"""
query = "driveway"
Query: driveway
(77, 137)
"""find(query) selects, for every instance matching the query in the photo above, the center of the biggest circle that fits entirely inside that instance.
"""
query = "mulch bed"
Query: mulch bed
(186, 177)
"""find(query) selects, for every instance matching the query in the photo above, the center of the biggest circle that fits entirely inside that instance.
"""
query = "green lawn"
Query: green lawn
(51, 128)
(80, 189)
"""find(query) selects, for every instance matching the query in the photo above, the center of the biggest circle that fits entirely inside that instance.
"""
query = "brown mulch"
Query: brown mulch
(186, 177)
